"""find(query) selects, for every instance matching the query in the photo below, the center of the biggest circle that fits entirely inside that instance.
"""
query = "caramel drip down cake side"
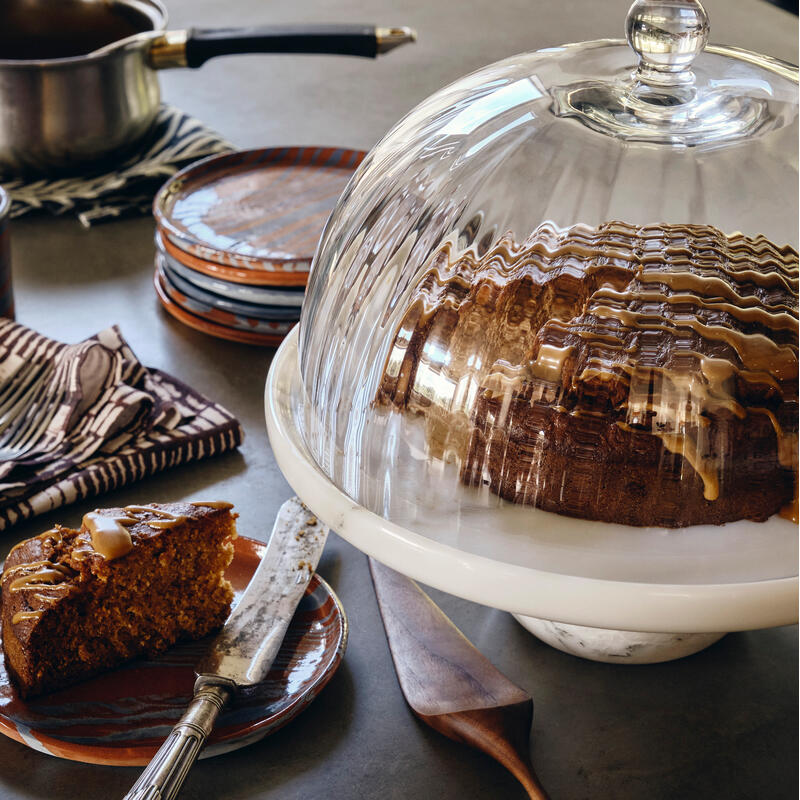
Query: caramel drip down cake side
(645, 375)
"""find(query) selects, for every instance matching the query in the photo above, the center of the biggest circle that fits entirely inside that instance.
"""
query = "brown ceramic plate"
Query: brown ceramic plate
(213, 327)
(259, 210)
(122, 716)
(185, 281)
(210, 312)
(228, 273)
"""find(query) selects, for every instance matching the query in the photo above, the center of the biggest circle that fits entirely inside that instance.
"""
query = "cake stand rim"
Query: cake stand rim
(577, 600)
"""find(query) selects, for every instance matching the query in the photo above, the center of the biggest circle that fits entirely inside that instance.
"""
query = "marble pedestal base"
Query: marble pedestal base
(617, 647)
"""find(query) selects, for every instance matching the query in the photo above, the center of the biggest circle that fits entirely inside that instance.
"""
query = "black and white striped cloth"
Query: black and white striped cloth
(115, 421)
(175, 141)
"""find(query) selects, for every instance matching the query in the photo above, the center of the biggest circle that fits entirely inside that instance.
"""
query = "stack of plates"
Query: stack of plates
(236, 234)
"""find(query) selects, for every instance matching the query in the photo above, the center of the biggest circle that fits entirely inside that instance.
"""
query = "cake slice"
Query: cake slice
(131, 581)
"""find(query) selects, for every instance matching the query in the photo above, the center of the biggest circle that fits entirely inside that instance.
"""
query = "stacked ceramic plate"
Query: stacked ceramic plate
(236, 234)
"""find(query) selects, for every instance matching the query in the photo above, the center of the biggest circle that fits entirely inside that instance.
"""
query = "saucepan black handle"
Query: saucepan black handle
(367, 41)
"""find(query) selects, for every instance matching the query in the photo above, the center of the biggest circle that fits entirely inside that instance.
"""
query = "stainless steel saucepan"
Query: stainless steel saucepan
(78, 81)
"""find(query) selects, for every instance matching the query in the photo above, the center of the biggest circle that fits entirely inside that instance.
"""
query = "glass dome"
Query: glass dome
(562, 291)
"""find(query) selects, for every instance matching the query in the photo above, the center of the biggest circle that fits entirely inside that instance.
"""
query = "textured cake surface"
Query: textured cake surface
(640, 375)
(131, 581)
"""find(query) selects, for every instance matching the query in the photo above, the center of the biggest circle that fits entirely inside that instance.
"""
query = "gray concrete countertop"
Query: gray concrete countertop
(722, 723)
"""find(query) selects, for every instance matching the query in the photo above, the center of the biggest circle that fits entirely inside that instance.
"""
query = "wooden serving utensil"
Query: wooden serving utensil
(448, 683)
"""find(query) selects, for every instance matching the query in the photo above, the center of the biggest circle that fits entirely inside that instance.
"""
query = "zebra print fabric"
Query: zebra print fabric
(175, 141)
(113, 421)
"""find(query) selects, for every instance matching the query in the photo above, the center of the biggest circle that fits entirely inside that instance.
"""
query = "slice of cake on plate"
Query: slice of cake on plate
(131, 581)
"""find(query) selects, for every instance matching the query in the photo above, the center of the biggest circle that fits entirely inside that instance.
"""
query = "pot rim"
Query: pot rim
(157, 12)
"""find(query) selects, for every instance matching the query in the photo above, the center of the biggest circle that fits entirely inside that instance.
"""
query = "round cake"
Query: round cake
(644, 375)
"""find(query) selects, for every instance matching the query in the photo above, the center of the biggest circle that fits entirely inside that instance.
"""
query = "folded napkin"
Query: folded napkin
(107, 420)
(175, 141)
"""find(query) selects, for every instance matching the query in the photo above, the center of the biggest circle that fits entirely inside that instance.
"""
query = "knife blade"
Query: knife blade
(242, 653)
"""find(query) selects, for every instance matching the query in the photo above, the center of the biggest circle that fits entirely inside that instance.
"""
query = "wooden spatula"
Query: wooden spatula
(451, 685)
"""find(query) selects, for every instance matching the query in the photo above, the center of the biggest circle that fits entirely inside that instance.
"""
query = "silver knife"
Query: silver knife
(245, 648)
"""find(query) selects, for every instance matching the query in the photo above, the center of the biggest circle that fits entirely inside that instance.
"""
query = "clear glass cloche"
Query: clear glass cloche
(564, 288)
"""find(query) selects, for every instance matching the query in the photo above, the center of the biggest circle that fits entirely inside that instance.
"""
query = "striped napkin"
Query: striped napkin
(175, 141)
(109, 420)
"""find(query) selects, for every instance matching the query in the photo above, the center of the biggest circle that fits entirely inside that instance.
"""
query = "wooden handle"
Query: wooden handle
(448, 683)
(501, 733)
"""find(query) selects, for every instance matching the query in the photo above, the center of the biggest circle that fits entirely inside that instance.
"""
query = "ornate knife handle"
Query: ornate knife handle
(164, 775)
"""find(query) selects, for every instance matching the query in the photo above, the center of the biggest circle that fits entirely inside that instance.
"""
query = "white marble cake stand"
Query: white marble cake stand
(618, 594)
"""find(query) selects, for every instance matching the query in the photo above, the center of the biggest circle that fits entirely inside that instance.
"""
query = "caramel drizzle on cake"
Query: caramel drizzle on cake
(109, 532)
(109, 535)
(24, 616)
(167, 520)
(47, 581)
(668, 330)
(38, 572)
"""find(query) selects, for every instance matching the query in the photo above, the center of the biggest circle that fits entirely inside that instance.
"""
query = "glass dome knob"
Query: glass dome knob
(662, 100)
(667, 36)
